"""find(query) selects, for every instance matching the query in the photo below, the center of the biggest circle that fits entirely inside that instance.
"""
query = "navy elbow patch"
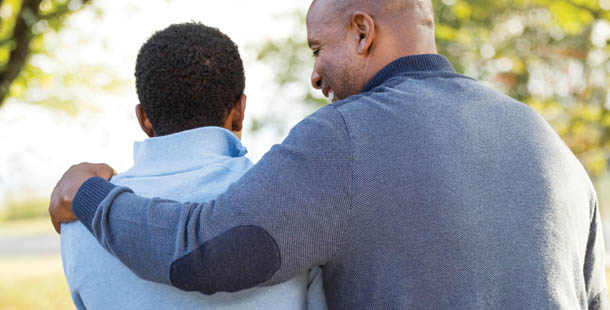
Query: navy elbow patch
(240, 258)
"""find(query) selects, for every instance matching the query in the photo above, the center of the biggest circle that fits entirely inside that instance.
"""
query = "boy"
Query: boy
(190, 82)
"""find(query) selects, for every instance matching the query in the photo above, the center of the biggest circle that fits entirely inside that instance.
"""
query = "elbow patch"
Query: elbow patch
(240, 258)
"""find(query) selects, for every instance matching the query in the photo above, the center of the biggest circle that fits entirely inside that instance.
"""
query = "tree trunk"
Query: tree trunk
(22, 37)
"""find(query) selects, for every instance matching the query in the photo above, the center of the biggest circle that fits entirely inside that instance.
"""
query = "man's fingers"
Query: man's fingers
(60, 207)
(57, 224)
(53, 205)
(104, 171)
(57, 227)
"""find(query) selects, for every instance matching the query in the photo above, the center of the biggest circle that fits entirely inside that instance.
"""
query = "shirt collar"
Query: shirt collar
(184, 150)
(426, 63)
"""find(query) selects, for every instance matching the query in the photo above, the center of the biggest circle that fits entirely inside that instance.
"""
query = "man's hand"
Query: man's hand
(60, 207)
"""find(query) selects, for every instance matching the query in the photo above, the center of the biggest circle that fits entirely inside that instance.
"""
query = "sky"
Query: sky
(39, 144)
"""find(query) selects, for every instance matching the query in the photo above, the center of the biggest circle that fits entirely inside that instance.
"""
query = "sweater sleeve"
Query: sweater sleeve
(595, 264)
(286, 215)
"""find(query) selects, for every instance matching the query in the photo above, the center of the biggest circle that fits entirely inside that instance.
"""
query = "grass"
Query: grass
(32, 282)
(33, 226)
(37, 282)
(11, 210)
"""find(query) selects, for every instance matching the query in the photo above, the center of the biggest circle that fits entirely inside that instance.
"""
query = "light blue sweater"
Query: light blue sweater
(194, 165)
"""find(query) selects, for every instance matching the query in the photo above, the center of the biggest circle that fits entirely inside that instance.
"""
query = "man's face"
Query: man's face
(338, 69)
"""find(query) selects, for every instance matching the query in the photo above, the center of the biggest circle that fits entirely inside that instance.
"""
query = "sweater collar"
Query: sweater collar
(184, 150)
(426, 63)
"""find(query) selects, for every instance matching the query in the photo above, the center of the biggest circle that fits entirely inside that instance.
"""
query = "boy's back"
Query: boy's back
(175, 166)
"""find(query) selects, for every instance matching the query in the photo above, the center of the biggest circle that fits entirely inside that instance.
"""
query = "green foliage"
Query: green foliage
(550, 54)
(24, 29)
(603, 193)
(291, 60)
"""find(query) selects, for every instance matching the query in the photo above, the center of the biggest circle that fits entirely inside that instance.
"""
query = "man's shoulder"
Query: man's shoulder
(326, 125)
(407, 94)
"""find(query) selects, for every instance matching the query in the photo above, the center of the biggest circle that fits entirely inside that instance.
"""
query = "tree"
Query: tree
(550, 54)
(23, 26)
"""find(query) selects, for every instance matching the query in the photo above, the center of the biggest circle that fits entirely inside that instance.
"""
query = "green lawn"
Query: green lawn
(33, 283)
(34, 226)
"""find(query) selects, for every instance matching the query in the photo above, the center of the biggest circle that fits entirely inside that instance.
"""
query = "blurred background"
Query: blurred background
(67, 93)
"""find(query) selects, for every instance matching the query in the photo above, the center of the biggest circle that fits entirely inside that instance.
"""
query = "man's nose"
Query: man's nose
(316, 80)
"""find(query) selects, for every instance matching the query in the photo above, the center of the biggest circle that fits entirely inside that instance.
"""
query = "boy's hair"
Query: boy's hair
(188, 76)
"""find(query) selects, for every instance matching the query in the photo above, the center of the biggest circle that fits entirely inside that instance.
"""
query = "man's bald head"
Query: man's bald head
(398, 13)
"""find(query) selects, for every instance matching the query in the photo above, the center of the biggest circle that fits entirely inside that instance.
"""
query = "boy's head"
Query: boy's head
(189, 76)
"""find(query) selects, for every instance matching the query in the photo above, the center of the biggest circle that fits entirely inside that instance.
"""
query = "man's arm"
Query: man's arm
(595, 271)
(287, 214)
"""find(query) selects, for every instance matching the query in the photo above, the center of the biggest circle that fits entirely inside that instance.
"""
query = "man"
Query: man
(417, 189)
(190, 82)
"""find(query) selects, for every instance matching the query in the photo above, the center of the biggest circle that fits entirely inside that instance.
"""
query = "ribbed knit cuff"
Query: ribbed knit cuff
(89, 197)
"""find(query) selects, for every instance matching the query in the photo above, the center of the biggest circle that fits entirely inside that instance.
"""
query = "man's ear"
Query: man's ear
(145, 123)
(364, 27)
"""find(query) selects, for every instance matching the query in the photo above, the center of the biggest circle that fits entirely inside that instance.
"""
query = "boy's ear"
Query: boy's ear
(145, 123)
(235, 120)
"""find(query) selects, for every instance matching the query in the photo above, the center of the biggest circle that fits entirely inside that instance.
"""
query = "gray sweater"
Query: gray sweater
(425, 191)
